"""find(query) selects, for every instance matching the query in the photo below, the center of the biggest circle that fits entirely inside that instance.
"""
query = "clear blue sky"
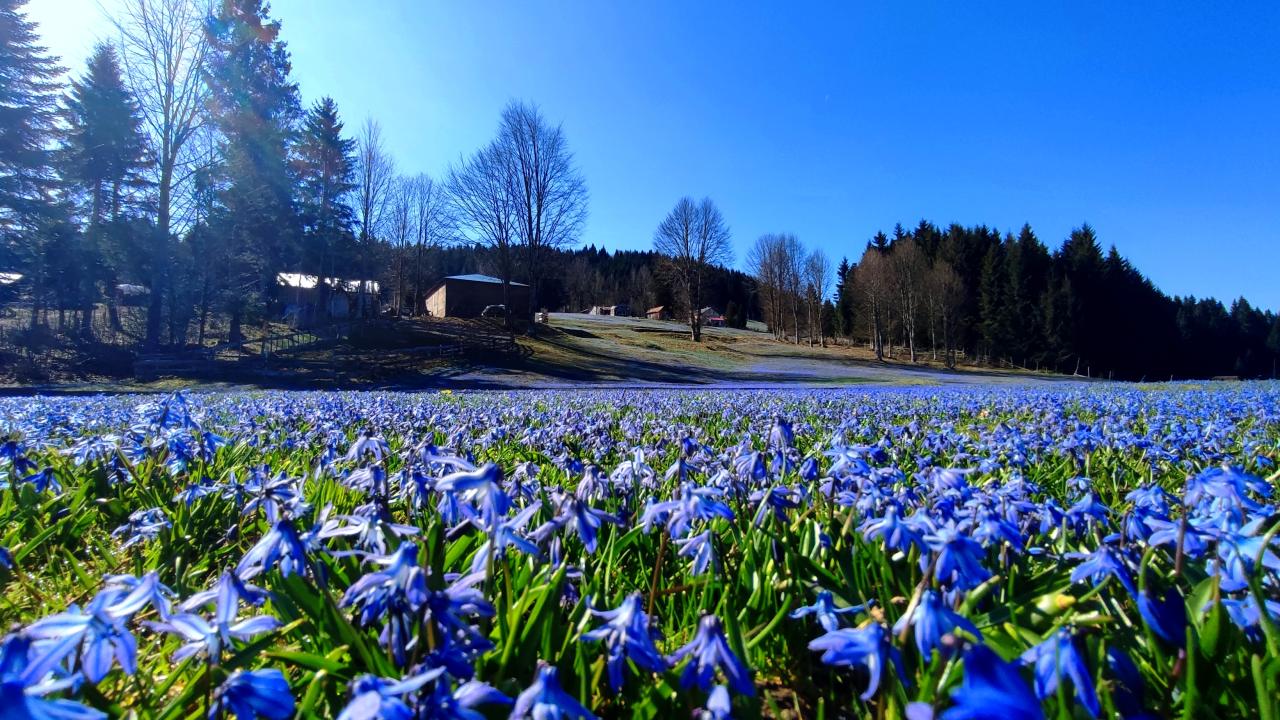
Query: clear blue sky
(1158, 123)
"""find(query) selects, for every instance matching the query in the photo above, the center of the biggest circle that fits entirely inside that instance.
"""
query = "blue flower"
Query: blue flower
(507, 534)
(825, 611)
(1100, 564)
(867, 647)
(143, 525)
(1087, 512)
(1166, 617)
(392, 596)
(781, 435)
(23, 686)
(896, 534)
(581, 517)
(367, 445)
(369, 525)
(480, 488)
(546, 700)
(958, 558)
(457, 704)
(931, 620)
(375, 698)
(1238, 551)
(627, 635)
(253, 694)
(13, 451)
(275, 495)
(992, 689)
(6, 558)
(228, 590)
(281, 546)
(719, 706)
(701, 549)
(40, 481)
(1126, 686)
(707, 651)
(461, 642)
(1246, 615)
(203, 636)
(694, 504)
(196, 490)
(1058, 656)
(777, 499)
(99, 632)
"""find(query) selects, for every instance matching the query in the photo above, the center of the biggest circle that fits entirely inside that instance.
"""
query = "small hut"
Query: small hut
(661, 312)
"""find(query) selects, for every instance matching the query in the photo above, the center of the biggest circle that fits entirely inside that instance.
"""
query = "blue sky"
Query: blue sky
(1157, 123)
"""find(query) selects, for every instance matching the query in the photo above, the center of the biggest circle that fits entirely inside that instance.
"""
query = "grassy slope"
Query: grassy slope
(588, 348)
(577, 350)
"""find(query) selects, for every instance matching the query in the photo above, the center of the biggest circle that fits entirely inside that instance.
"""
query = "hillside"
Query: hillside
(577, 349)
(572, 350)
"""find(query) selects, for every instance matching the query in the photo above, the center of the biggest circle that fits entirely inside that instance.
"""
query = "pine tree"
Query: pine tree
(841, 317)
(103, 152)
(992, 299)
(28, 115)
(254, 106)
(29, 217)
(325, 162)
(102, 159)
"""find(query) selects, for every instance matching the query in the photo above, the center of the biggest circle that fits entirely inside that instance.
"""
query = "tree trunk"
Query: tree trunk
(234, 333)
(160, 257)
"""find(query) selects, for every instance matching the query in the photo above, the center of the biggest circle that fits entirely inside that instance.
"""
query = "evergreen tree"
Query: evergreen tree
(102, 159)
(992, 298)
(103, 155)
(325, 162)
(842, 310)
(28, 115)
(255, 107)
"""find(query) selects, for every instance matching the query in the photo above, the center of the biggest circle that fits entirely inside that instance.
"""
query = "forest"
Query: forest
(1009, 300)
(178, 174)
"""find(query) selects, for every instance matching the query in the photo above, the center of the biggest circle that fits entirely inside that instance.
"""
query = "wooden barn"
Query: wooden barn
(468, 295)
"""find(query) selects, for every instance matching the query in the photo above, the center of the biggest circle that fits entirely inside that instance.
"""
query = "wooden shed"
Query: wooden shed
(468, 295)
(662, 312)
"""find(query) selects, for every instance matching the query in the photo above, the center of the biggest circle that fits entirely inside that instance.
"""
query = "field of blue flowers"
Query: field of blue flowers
(1070, 552)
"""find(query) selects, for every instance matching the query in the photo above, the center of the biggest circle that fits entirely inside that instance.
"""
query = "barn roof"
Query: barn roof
(476, 277)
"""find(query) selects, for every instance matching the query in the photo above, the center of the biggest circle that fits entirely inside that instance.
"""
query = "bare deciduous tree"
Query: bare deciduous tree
(433, 225)
(777, 261)
(908, 266)
(818, 277)
(399, 232)
(480, 191)
(945, 291)
(693, 237)
(549, 195)
(375, 173)
(791, 258)
(163, 47)
(873, 280)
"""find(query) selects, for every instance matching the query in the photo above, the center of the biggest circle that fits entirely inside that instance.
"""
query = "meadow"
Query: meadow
(1069, 551)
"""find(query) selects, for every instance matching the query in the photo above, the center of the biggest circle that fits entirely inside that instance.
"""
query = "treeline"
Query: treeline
(1010, 300)
(180, 167)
